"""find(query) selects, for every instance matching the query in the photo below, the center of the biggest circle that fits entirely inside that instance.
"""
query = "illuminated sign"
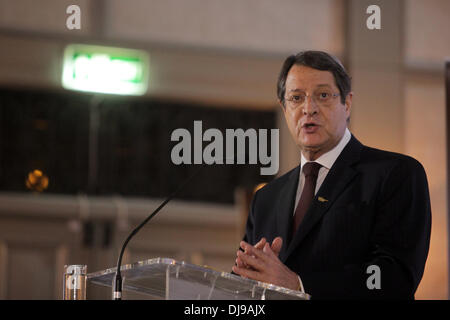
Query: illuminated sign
(105, 69)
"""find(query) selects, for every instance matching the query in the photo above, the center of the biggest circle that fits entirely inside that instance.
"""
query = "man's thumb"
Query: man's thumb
(277, 243)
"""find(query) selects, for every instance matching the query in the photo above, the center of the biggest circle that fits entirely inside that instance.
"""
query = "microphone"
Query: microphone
(117, 293)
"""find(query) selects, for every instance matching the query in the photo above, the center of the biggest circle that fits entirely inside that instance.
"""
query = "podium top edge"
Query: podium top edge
(171, 262)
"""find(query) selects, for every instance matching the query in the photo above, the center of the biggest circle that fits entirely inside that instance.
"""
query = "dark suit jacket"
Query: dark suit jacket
(377, 213)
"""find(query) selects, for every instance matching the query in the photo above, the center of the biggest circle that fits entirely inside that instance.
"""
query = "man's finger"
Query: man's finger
(240, 263)
(247, 273)
(268, 250)
(244, 245)
(251, 251)
(277, 243)
(251, 261)
(261, 243)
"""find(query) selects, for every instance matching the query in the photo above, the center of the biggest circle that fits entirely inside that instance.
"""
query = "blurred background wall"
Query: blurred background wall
(209, 59)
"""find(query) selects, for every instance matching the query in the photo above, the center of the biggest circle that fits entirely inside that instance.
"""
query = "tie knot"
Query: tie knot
(311, 169)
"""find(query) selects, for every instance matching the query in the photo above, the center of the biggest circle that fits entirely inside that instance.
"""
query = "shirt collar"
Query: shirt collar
(327, 159)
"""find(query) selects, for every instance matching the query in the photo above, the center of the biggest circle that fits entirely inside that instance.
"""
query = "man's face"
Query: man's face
(319, 122)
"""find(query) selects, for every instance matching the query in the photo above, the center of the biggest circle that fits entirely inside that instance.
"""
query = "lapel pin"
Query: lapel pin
(321, 199)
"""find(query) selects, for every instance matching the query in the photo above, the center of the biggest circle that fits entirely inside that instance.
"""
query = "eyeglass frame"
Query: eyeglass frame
(333, 95)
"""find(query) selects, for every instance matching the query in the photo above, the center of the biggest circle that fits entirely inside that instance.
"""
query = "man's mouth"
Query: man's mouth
(310, 127)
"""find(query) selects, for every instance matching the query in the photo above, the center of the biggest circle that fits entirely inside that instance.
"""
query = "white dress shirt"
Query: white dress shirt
(326, 160)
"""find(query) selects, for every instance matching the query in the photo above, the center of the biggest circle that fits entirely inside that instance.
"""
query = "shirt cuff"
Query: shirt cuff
(300, 285)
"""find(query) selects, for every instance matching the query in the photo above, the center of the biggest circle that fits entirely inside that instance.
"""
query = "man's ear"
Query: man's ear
(281, 105)
(348, 103)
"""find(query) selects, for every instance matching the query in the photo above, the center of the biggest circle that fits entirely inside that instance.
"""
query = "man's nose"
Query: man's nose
(310, 107)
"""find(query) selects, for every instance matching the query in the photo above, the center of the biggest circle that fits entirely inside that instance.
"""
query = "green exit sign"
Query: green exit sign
(105, 69)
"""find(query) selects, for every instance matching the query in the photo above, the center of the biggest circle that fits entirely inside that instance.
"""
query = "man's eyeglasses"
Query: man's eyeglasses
(320, 98)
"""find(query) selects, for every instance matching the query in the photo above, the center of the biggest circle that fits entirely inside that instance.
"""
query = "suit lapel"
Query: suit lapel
(337, 179)
(285, 206)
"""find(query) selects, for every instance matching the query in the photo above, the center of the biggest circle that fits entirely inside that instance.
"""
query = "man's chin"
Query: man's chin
(312, 149)
(311, 145)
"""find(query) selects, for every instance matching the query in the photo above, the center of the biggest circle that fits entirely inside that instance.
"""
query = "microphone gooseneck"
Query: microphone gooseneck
(117, 293)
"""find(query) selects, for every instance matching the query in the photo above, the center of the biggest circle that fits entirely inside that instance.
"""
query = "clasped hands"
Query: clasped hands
(260, 262)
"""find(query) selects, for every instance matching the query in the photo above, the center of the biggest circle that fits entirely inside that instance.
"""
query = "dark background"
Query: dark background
(49, 131)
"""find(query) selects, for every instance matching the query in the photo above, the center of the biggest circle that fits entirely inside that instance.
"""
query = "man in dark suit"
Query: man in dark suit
(350, 221)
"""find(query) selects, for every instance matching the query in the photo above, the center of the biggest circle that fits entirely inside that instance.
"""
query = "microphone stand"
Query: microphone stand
(117, 292)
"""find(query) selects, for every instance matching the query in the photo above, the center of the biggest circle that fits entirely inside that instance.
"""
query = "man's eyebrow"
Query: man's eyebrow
(318, 86)
(297, 90)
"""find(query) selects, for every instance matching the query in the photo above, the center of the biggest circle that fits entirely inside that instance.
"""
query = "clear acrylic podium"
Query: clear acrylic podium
(163, 278)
